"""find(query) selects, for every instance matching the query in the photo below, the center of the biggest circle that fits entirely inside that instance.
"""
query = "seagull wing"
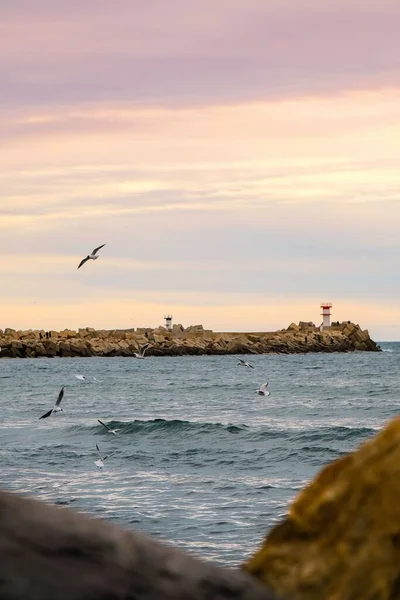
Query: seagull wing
(241, 362)
(46, 415)
(104, 425)
(60, 397)
(108, 455)
(97, 249)
(143, 349)
(83, 262)
(263, 387)
(98, 450)
(249, 365)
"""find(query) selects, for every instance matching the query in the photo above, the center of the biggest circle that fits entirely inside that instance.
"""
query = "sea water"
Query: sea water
(200, 460)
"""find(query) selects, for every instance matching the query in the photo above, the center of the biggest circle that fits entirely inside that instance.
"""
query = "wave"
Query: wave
(164, 426)
(336, 433)
(320, 451)
(173, 427)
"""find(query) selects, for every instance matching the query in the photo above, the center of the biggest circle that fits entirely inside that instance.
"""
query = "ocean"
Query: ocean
(200, 460)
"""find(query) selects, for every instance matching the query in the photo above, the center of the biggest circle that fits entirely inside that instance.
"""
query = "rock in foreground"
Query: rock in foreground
(194, 340)
(341, 538)
(49, 553)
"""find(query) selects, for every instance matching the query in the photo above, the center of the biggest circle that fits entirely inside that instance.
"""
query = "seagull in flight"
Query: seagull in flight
(243, 363)
(57, 485)
(56, 408)
(84, 378)
(114, 431)
(92, 256)
(263, 390)
(142, 351)
(99, 463)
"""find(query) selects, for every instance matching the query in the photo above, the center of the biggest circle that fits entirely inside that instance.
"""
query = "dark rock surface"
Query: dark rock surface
(52, 553)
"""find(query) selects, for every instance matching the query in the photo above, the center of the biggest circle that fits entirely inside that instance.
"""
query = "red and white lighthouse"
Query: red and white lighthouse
(326, 314)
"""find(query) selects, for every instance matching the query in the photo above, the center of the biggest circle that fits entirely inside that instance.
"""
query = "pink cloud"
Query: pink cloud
(193, 52)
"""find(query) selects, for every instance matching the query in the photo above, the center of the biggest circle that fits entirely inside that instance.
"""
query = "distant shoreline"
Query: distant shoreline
(192, 341)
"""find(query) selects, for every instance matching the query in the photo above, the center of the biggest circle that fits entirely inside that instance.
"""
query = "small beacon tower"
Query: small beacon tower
(326, 314)
(168, 322)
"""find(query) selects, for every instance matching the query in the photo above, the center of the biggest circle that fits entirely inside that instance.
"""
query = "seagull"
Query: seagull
(141, 352)
(114, 431)
(56, 408)
(84, 378)
(99, 463)
(57, 485)
(92, 256)
(263, 390)
(243, 363)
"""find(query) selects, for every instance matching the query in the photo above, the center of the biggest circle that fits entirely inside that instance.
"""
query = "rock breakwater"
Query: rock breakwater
(194, 340)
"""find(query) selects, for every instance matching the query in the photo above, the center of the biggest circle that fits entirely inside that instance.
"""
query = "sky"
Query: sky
(240, 159)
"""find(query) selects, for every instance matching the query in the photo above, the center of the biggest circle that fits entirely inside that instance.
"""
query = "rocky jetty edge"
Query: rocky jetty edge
(194, 340)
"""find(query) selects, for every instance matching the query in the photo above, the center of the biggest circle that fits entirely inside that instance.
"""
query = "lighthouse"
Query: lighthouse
(168, 322)
(326, 314)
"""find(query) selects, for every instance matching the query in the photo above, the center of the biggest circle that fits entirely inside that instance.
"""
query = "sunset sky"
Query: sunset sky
(239, 158)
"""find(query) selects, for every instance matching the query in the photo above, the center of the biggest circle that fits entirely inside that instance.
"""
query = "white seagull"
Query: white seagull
(92, 256)
(56, 408)
(114, 431)
(142, 351)
(57, 485)
(263, 390)
(84, 378)
(243, 363)
(99, 463)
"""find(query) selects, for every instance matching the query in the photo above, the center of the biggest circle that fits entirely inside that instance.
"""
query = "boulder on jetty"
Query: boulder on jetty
(53, 553)
(341, 537)
(302, 338)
